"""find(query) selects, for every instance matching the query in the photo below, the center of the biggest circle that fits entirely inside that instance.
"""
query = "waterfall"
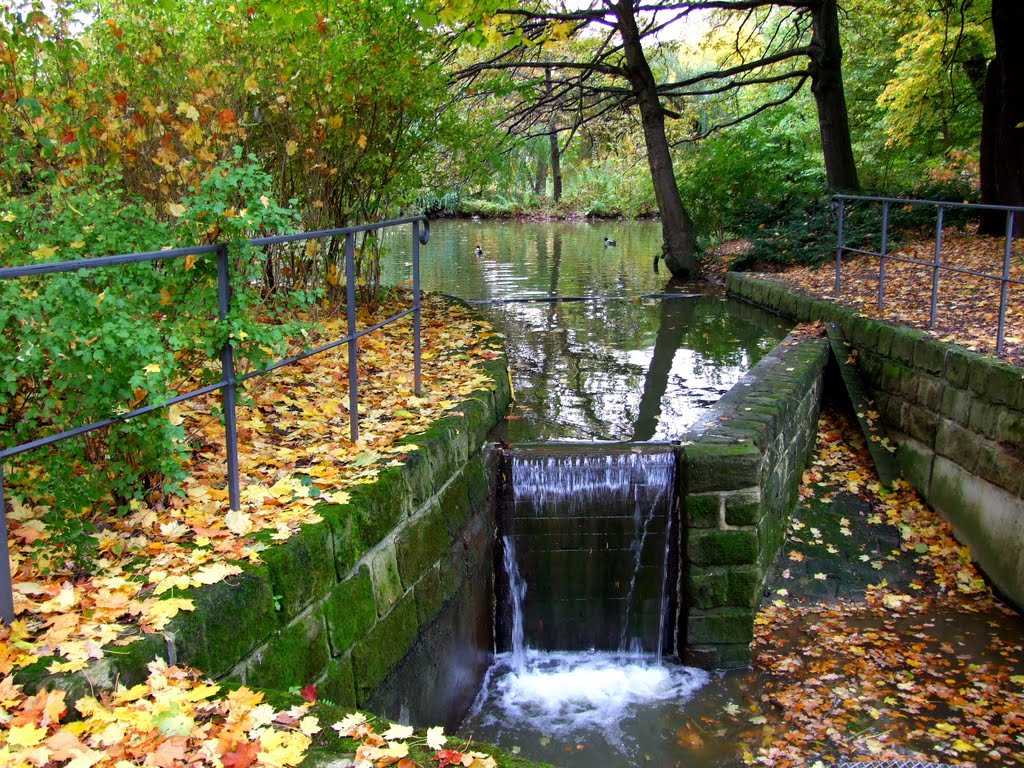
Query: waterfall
(590, 534)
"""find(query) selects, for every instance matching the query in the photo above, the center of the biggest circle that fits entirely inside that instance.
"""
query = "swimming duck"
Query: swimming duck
(608, 242)
(479, 251)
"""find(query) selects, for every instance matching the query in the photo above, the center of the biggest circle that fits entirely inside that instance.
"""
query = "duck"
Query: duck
(479, 251)
(608, 242)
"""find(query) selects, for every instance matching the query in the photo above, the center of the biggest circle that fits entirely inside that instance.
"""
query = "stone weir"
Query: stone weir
(588, 530)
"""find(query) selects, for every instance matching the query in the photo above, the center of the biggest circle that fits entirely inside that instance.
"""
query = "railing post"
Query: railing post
(417, 359)
(227, 363)
(839, 249)
(936, 265)
(6, 580)
(1005, 288)
(353, 351)
(882, 254)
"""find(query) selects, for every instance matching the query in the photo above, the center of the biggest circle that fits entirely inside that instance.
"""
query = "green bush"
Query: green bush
(82, 346)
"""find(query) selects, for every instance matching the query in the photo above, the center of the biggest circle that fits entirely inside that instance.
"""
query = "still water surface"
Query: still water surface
(618, 362)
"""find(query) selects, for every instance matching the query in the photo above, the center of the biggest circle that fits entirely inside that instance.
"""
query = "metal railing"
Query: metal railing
(229, 380)
(936, 265)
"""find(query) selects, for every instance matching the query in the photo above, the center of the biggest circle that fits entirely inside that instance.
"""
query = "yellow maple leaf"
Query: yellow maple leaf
(291, 147)
(214, 572)
(188, 110)
(158, 613)
(27, 735)
(361, 141)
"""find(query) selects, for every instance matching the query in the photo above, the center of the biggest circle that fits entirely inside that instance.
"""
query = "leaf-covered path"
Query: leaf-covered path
(968, 305)
(878, 637)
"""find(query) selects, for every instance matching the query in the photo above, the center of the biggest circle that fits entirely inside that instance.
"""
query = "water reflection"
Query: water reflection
(608, 364)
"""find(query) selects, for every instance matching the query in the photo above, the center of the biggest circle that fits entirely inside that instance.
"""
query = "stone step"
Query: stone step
(874, 431)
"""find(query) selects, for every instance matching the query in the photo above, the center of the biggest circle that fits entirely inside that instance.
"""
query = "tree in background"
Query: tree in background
(1002, 137)
(599, 57)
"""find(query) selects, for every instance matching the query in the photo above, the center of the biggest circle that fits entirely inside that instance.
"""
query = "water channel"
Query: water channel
(602, 348)
(626, 355)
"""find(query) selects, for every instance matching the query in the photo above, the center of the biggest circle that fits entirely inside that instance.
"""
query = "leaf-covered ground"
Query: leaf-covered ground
(295, 451)
(968, 305)
(879, 638)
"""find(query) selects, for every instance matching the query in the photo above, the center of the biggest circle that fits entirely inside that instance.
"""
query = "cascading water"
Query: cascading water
(586, 572)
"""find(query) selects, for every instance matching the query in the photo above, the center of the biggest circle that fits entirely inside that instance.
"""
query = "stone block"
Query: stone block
(203, 638)
(347, 544)
(1003, 383)
(904, 340)
(743, 508)
(704, 511)
(350, 610)
(722, 467)
(1010, 428)
(339, 684)
(453, 502)
(920, 423)
(387, 583)
(957, 444)
(746, 584)
(708, 588)
(720, 626)
(930, 355)
(999, 466)
(422, 541)
(929, 392)
(379, 506)
(959, 364)
(899, 380)
(383, 648)
(956, 405)
(301, 569)
(723, 656)
(296, 656)
(984, 419)
(711, 547)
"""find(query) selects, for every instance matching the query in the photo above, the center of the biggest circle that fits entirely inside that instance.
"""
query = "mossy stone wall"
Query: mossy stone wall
(343, 603)
(956, 416)
(740, 470)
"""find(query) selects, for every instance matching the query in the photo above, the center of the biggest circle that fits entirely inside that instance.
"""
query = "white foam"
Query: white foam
(563, 694)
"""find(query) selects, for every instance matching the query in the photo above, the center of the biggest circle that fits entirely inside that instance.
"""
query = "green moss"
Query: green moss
(722, 467)
(301, 569)
(454, 502)
(429, 596)
(339, 685)
(380, 505)
(347, 543)
(703, 511)
(722, 625)
(296, 655)
(230, 619)
(959, 364)
(350, 610)
(387, 584)
(743, 508)
(423, 540)
(707, 588)
(722, 547)
(377, 654)
(903, 341)
(745, 586)
(718, 656)
(1004, 384)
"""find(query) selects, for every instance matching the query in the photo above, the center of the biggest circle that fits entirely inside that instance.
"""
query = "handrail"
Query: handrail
(937, 267)
(228, 381)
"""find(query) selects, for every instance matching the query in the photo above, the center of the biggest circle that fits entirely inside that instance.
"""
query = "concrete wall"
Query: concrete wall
(739, 477)
(957, 417)
(381, 584)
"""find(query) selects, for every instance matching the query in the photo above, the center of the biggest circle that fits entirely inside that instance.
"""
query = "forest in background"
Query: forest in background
(133, 127)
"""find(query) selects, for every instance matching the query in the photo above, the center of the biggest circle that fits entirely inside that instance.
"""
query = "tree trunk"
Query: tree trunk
(678, 248)
(540, 176)
(1002, 138)
(556, 159)
(827, 86)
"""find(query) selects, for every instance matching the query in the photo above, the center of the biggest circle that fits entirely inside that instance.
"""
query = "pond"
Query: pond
(626, 354)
